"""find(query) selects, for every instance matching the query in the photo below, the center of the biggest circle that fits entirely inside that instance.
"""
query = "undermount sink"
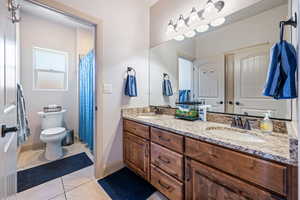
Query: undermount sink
(153, 115)
(236, 134)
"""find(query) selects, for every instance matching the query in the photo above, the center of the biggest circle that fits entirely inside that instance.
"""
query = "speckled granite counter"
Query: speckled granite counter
(278, 147)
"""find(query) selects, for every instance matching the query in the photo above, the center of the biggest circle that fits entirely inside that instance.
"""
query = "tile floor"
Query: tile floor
(79, 185)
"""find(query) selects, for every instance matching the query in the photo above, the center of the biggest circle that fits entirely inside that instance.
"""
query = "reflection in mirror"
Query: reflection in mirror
(225, 67)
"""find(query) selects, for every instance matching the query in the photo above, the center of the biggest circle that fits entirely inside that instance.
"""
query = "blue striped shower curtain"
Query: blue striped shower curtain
(86, 99)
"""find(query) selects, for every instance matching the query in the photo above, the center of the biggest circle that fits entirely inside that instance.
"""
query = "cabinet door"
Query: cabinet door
(205, 183)
(136, 154)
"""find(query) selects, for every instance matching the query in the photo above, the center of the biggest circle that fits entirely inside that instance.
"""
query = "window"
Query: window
(50, 69)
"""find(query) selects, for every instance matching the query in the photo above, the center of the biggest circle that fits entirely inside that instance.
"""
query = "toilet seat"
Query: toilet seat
(53, 131)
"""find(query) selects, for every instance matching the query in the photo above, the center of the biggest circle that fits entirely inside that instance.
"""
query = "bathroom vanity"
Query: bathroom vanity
(189, 165)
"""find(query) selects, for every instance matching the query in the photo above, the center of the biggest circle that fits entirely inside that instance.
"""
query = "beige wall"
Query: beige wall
(125, 26)
(38, 32)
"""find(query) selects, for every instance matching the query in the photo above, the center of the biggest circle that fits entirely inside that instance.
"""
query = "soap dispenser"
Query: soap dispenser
(266, 125)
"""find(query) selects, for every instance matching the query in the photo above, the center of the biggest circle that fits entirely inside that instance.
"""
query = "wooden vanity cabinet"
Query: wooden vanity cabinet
(205, 183)
(183, 168)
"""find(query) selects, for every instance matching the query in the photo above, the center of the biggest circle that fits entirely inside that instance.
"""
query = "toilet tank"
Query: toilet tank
(51, 119)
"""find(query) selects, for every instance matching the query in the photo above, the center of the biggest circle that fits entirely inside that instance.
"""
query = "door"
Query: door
(136, 154)
(205, 183)
(251, 67)
(210, 84)
(8, 109)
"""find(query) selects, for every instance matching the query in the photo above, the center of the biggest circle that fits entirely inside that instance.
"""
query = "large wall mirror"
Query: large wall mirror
(226, 67)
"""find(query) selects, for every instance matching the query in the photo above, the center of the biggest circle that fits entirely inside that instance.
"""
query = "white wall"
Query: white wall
(125, 43)
(38, 32)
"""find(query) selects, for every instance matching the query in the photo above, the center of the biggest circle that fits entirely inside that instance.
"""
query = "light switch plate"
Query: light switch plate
(107, 88)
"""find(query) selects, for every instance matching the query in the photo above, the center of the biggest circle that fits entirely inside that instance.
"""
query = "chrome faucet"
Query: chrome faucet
(157, 110)
(237, 122)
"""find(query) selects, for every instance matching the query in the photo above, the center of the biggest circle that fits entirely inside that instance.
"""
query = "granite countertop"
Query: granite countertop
(278, 147)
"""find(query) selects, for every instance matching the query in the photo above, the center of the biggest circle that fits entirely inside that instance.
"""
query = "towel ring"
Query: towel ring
(292, 22)
(129, 69)
(166, 76)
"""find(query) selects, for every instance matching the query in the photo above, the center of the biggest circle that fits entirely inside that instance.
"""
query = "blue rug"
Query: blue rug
(126, 185)
(37, 175)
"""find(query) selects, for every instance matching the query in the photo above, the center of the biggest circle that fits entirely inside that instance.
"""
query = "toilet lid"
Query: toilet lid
(53, 131)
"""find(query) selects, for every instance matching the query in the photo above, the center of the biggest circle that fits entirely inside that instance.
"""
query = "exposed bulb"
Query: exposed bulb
(190, 34)
(194, 17)
(179, 38)
(218, 21)
(171, 29)
(181, 26)
(202, 28)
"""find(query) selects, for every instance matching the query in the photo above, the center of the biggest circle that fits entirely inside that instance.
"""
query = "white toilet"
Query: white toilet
(52, 133)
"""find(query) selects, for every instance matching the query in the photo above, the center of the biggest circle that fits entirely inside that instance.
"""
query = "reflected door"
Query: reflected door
(211, 82)
(8, 114)
(251, 67)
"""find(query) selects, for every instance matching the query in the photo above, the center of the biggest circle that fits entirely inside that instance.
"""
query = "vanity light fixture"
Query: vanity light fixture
(179, 38)
(198, 20)
(194, 18)
(202, 28)
(181, 25)
(171, 29)
(218, 22)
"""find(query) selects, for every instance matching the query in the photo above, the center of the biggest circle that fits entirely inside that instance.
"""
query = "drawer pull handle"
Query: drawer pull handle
(167, 187)
(164, 139)
(163, 159)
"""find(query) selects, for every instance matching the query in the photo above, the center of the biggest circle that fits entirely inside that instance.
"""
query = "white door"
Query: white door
(211, 82)
(251, 67)
(8, 115)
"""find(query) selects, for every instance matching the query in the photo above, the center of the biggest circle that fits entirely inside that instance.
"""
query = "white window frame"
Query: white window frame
(34, 70)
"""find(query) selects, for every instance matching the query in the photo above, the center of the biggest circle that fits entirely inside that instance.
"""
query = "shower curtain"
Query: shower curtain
(86, 99)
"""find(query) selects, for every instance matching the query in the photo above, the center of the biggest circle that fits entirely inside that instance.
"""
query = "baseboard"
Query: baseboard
(112, 168)
(32, 147)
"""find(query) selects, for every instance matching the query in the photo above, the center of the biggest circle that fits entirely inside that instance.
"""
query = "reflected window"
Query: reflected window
(50, 69)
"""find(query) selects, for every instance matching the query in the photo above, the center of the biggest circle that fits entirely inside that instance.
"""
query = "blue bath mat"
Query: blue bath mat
(126, 185)
(37, 175)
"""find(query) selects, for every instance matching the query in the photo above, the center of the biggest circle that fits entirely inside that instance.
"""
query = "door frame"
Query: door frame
(98, 43)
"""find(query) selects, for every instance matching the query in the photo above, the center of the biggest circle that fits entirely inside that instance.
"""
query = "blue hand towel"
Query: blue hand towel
(130, 87)
(281, 80)
(184, 96)
(167, 88)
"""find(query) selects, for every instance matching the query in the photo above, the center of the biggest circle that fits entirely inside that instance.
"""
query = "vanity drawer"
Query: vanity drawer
(169, 161)
(166, 184)
(266, 174)
(136, 128)
(167, 139)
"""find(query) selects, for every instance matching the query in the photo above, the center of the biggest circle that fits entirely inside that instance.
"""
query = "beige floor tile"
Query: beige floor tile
(60, 197)
(44, 191)
(32, 158)
(157, 196)
(88, 191)
(78, 178)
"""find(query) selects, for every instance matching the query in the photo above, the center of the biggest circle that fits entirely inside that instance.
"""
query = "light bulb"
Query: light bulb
(179, 37)
(190, 34)
(171, 29)
(210, 10)
(181, 26)
(218, 21)
(202, 28)
(194, 17)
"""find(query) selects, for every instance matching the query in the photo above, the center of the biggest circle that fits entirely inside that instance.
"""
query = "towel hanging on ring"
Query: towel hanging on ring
(130, 85)
(166, 85)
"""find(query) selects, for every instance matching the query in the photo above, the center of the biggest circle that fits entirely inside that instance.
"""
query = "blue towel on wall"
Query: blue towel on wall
(130, 87)
(184, 96)
(281, 80)
(167, 88)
